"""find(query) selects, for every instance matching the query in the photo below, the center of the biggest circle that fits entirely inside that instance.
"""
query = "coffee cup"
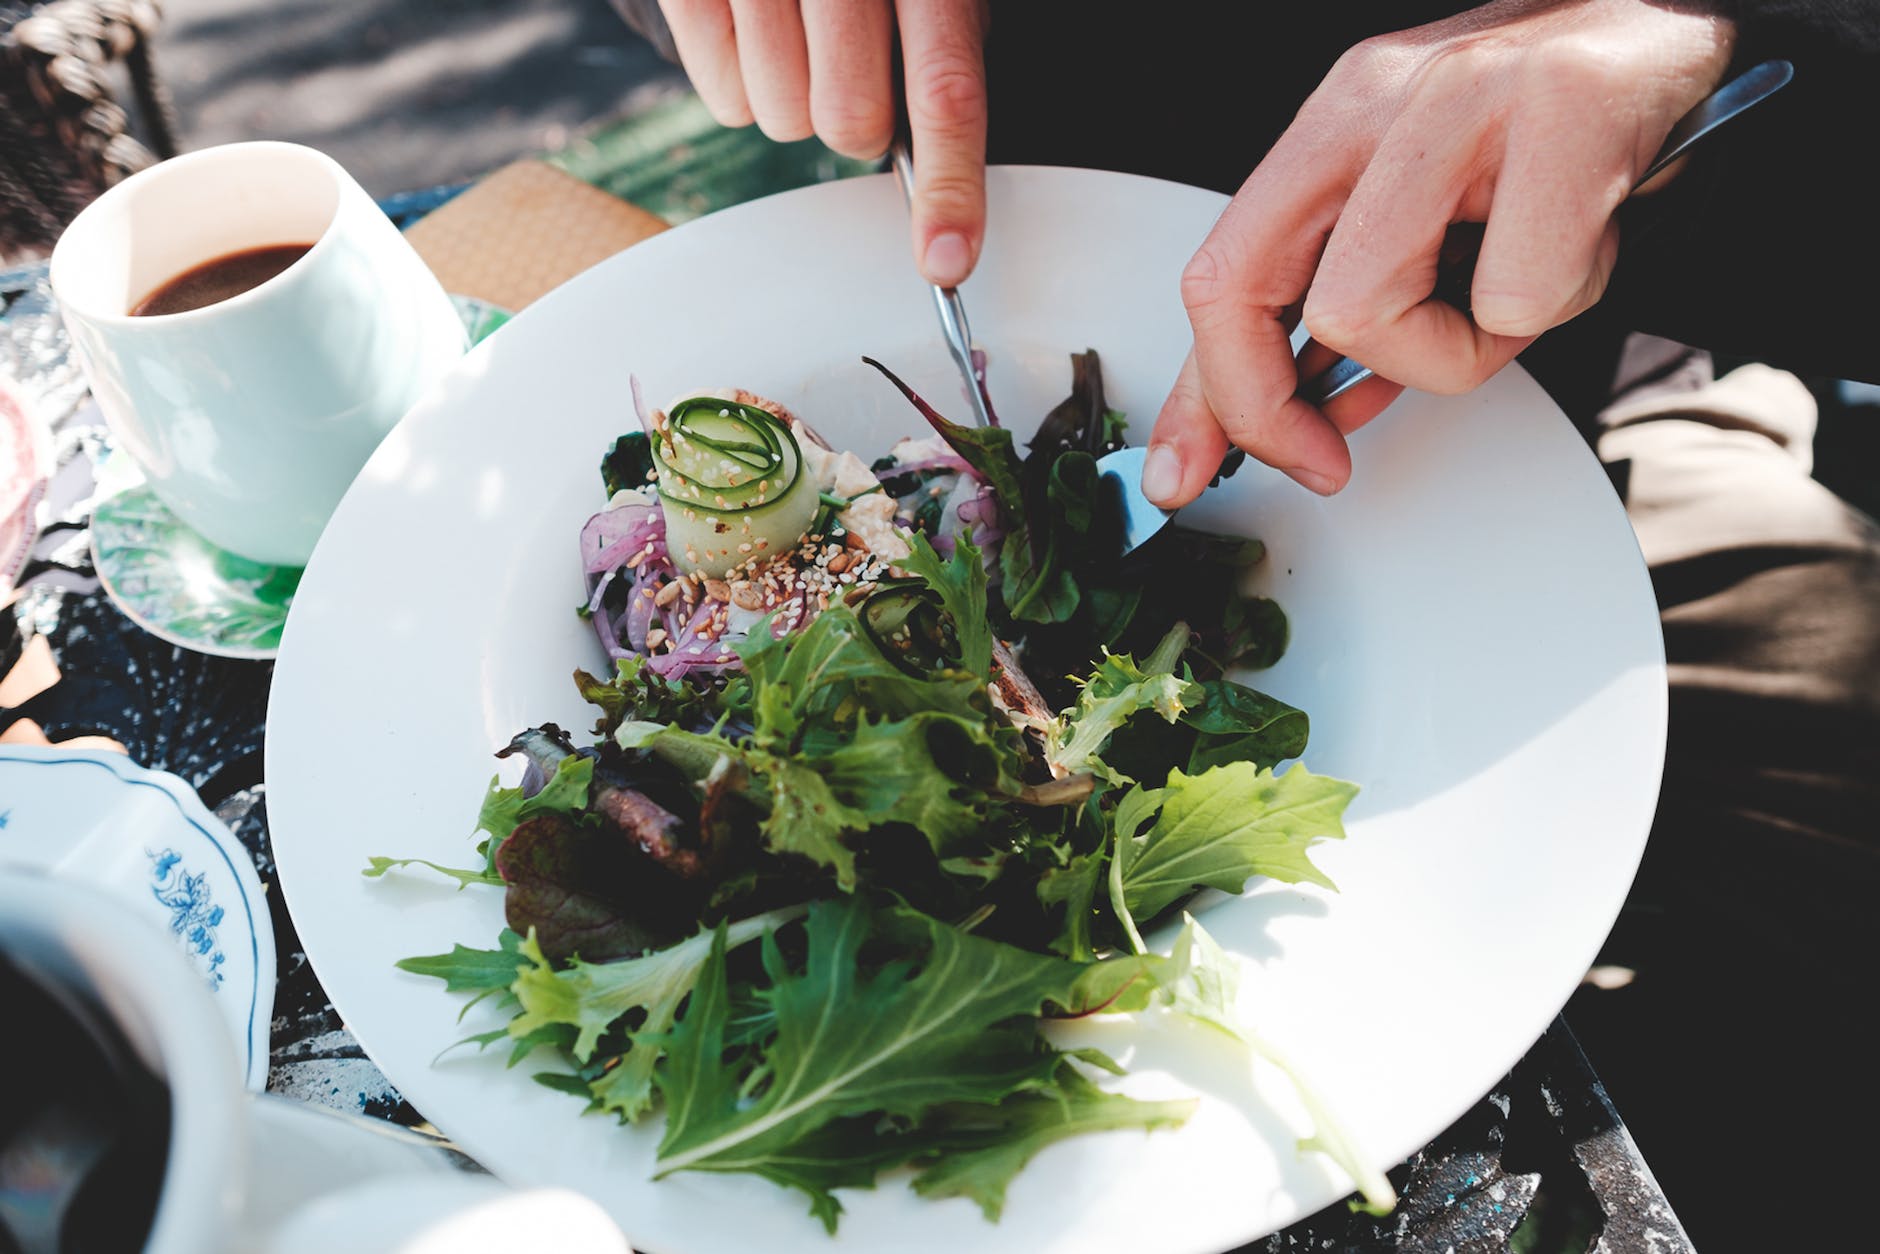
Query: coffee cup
(250, 415)
(128, 1127)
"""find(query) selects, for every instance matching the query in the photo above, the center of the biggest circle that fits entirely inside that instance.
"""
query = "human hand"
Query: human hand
(825, 68)
(1532, 116)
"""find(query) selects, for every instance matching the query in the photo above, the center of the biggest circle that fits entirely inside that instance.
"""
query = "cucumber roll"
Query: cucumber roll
(732, 483)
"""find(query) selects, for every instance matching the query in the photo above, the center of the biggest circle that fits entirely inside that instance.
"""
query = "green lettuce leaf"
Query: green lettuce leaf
(843, 741)
(802, 815)
(1115, 692)
(504, 809)
(594, 997)
(960, 583)
(1224, 826)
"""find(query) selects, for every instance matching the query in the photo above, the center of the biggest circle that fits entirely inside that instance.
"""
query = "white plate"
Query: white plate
(145, 837)
(1474, 637)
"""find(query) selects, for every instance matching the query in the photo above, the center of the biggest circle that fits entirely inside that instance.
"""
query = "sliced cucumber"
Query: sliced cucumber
(732, 482)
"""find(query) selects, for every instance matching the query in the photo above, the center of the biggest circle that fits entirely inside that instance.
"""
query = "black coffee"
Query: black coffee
(84, 1125)
(220, 278)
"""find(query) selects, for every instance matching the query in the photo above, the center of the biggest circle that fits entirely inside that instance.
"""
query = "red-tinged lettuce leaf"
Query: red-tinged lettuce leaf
(565, 793)
(582, 891)
(988, 450)
(1082, 421)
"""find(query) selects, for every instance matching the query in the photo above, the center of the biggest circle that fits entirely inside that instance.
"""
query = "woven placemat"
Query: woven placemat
(524, 230)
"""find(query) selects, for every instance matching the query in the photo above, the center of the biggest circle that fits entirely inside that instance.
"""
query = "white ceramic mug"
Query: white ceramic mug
(251, 416)
(251, 1172)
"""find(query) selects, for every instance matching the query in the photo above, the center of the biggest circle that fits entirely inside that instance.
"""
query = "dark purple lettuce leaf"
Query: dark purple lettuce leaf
(589, 891)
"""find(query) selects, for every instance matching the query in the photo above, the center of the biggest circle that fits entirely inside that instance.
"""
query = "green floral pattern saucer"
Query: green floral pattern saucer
(176, 585)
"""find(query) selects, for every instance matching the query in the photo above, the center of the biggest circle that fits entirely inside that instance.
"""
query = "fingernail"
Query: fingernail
(1322, 484)
(1161, 474)
(949, 257)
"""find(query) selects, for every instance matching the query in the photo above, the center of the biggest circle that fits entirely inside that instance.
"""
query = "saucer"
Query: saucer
(178, 586)
(146, 838)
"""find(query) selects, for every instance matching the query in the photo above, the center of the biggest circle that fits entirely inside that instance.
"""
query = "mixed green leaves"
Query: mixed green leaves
(1061, 590)
(817, 911)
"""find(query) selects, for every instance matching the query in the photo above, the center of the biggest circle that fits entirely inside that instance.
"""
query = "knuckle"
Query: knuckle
(852, 125)
(785, 126)
(1204, 279)
(729, 113)
(1368, 61)
(947, 92)
(1340, 326)
(949, 197)
(1506, 312)
(1568, 65)
(1461, 67)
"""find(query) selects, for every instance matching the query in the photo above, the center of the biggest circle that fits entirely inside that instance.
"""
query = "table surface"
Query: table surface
(1546, 1145)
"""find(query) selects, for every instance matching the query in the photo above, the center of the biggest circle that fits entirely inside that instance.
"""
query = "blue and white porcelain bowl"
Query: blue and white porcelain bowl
(146, 838)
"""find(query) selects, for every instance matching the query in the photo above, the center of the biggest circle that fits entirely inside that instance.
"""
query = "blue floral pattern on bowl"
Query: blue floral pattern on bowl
(145, 836)
(194, 916)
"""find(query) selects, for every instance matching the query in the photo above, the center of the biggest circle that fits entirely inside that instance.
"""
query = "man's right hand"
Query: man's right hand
(825, 68)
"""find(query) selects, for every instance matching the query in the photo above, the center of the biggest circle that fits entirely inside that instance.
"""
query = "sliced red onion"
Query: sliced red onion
(612, 536)
(639, 615)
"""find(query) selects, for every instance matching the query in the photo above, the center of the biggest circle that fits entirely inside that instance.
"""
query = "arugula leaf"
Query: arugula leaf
(466, 970)
(1075, 888)
(1224, 826)
(592, 997)
(961, 586)
(898, 1040)
(1205, 986)
(988, 1146)
(376, 867)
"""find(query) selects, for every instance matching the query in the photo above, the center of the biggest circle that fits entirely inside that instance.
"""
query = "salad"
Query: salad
(897, 763)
